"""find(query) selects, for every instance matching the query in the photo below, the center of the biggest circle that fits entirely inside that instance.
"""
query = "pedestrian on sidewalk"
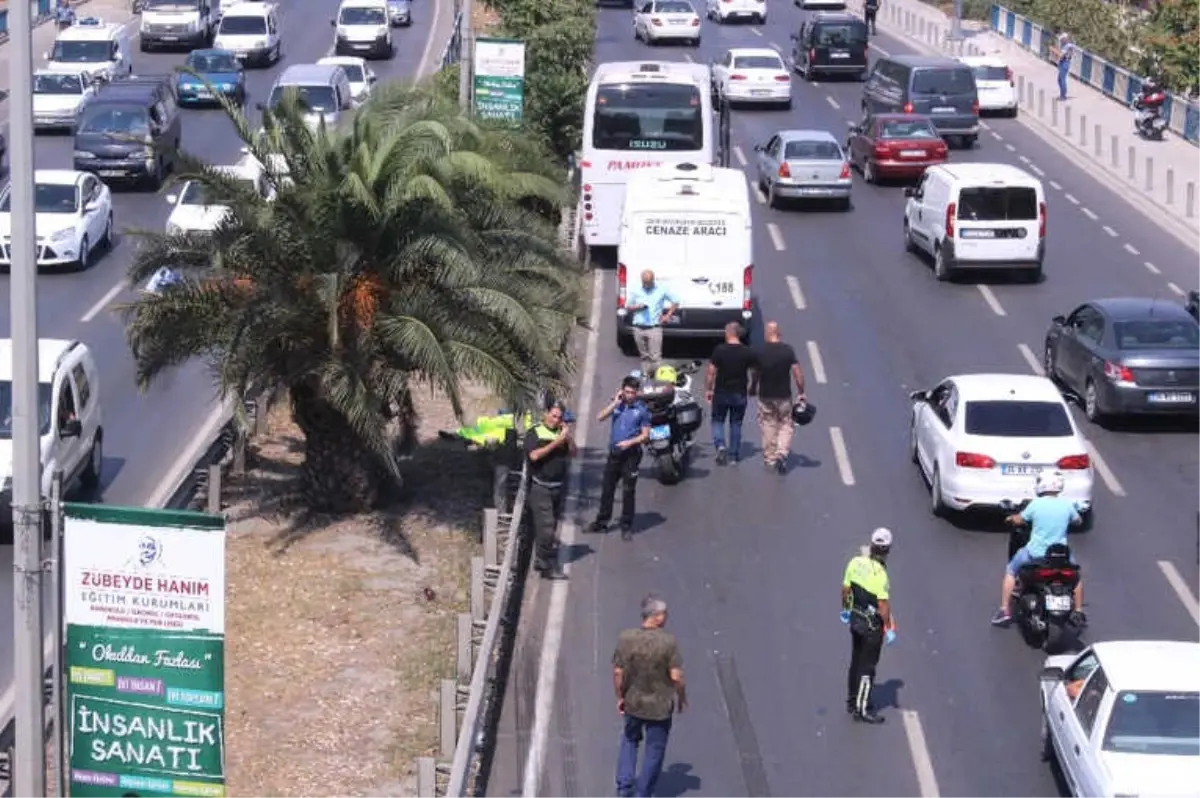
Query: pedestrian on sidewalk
(1062, 54)
(727, 382)
(648, 681)
(630, 429)
(652, 307)
(870, 9)
(775, 369)
(549, 447)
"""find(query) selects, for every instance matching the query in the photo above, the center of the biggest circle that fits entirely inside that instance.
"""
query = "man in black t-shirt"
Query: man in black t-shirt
(549, 447)
(725, 389)
(775, 369)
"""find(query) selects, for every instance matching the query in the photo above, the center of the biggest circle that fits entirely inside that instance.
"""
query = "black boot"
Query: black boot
(553, 571)
(868, 716)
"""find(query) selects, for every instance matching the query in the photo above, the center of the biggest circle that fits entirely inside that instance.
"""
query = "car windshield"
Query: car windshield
(1007, 204)
(57, 84)
(47, 198)
(673, 7)
(907, 129)
(312, 98)
(243, 26)
(92, 52)
(195, 193)
(645, 116)
(6, 421)
(213, 62)
(992, 73)
(757, 62)
(812, 151)
(1018, 419)
(354, 73)
(1157, 334)
(841, 35)
(1152, 722)
(943, 81)
(362, 16)
(130, 121)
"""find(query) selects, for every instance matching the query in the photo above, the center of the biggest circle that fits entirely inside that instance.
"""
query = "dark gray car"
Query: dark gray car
(1127, 356)
(941, 88)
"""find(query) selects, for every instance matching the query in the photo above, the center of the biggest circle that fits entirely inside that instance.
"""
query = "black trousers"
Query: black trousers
(870, 17)
(865, 647)
(621, 466)
(545, 507)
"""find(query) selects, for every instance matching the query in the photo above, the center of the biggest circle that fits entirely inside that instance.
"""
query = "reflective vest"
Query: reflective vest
(544, 433)
(491, 429)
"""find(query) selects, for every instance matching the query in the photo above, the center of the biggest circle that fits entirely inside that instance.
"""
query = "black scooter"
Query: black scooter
(1043, 600)
(674, 418)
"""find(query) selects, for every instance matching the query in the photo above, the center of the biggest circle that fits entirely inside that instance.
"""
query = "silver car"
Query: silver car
(399, 13)
(803, 165)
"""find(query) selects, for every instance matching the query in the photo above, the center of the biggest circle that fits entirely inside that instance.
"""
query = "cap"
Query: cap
(881, 537)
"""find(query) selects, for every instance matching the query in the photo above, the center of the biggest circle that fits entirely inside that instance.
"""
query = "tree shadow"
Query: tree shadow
(676, 780)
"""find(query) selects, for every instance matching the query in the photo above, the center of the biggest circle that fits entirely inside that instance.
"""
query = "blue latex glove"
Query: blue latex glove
(890, 637)
(845, 616)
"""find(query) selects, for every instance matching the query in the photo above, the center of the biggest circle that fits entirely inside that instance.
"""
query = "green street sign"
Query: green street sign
(499, 84)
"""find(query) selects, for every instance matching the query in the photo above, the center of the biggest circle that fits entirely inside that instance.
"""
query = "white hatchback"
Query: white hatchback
(656, 21)
(362, 79)
(197, 211)
(994, 80)
(722, 11)
(73, 215)
(981, 440)
(752, 75)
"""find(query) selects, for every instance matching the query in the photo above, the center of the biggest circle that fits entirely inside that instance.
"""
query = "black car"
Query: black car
(830, 43)
(1127, 356)
(130, 131)
(936, 86)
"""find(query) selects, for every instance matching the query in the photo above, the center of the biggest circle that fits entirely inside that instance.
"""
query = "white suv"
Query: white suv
(69, 417)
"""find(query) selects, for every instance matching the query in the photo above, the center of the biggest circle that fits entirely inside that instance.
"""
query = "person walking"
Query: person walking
(775, 369)
(549, 446)
(630, 429)
(649, 687)
(870, 10)
(652, 307)
(725, 389)
(1063, 54)
(866, 608)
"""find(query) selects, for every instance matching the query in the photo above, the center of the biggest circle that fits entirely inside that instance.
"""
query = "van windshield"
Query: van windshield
(943, 81)
(841, 35)
(362, 16)
(131, 121)
(992, 73)
(1005, 204)
(312, 98)
(243, 26)
(93, 52)
(6, 420)
(644, 116)
(49, 83)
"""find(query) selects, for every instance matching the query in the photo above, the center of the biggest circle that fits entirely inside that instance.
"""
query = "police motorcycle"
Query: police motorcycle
(675, 416)
(1043, 599)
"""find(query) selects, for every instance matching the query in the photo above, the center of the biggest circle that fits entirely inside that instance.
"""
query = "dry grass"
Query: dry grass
(483, 19)
(339, 630)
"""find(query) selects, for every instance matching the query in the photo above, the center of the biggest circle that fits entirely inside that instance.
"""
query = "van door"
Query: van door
(947, 95)
(718, 251)
(840, 45)
(997, 223)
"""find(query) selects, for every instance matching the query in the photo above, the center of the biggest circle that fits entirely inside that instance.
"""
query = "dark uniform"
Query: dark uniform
(871, 8)
(867, 580)
(545, 498)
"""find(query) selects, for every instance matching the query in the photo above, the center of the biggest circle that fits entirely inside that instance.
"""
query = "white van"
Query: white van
(94, 46)
(362, 27)
(977, 216)
(178, 23)
(251, 32)
(690, 225)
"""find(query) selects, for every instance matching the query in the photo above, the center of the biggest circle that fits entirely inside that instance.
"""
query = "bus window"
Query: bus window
(642, 116)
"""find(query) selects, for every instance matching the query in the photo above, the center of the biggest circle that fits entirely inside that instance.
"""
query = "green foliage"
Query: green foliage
(1106, 29)
(1172, 44)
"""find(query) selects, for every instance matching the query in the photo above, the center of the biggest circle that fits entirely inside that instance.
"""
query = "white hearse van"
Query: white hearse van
(689, 224)
(977, 216)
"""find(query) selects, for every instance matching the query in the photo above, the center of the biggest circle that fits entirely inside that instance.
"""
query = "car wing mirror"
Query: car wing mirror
(919, 396)
(1051, 674)
(852, 127)
(71, 428)
(1059, 321)
(172, 199)
(91, 205)
(911, 191)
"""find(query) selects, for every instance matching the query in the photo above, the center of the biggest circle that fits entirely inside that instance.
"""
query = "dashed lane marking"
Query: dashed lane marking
(1037, 170)
(1034, 365)
(103, 304)
(1106, 474)
(1177, 583)
(1071, 199)
(756, 31)
(1131, 249)
(1089, 214)
(776, 237)
(1023, 159)
(985, 126)
(1176, 289)
(756, 191)
(991, 300)
(1111, 232)
(842, 456)
(1055, 186)
(997, 136)
(926, 778)
(818, 365)
(832, 101)
(1010, 148)
(687, 57)
(793, 285)
(1150, 267)
(741, 156)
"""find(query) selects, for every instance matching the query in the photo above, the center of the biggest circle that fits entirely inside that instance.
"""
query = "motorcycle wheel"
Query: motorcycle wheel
(1057, 638)
(669, 468)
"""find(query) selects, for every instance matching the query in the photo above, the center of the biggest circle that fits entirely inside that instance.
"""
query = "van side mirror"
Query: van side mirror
(919, 396)
(910, 191)
(71, 428)
(1051, 674)
(758, 148)
(172, 199)
(1059, 321)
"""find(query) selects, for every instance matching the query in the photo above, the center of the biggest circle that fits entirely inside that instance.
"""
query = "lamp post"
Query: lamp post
(465, 58)
(956, 22)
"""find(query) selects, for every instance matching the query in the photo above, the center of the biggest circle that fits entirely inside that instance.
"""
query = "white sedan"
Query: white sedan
(1123, 718)
(994, 80)
(981, 440)
(58, 96)
(657, 21)
(73, 218)
(196, 211)
(362, 79)
(752, 75)
(722, 11)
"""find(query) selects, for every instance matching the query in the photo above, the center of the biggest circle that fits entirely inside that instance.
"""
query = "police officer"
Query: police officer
(870, 10)
(866, 608)
(549, 447)
(630, 429)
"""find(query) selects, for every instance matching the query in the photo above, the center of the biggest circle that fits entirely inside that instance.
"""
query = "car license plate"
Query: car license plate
(242, 55)
(759, 93)
(814, 191)
(170, 38)
(1172, 397)
(839, 55)
(1058, 603)
(978, 234)
(1020, 470)
(678, 21)
(941, 109)
(110, 173)
(660, 433)
(913, 153)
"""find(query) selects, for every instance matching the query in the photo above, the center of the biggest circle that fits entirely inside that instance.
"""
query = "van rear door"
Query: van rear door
(840, 45)
(947, 95)
(998, 223)
(698, 256)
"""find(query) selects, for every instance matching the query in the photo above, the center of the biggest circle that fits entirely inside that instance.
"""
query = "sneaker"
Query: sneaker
(1002, 618)
(781, 467)
(868, 717)
(769, 466)
(1079, 618)
(554, 572)
(722, 456)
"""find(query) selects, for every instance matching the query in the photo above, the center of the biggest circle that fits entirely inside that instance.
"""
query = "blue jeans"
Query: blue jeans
(731, 406)
(1063, 72)
(656, 733)
(1023, 558)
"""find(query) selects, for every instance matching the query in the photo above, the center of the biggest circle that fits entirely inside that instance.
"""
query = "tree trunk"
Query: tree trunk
(341, 474)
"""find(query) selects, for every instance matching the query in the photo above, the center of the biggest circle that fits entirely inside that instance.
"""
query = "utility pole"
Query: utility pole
(956, 22)
(466, 56)
(29, 765)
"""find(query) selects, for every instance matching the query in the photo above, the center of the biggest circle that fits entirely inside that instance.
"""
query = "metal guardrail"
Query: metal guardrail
(452, 53)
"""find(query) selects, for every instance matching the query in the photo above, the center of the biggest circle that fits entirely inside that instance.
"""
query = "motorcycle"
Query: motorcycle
(1043, 599)
(1148, 121)
(675, 416)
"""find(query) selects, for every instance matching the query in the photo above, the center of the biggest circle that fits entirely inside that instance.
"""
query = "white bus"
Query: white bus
(640, 115)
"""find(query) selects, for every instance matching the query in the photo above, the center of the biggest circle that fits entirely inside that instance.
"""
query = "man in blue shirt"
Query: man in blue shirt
(651, 307)
(1066, 49)
(630, 429)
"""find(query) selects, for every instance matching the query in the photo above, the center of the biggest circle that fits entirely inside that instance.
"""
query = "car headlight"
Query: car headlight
(62, 235)
(84, 155)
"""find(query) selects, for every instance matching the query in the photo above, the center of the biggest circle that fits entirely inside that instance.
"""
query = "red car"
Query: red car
(894, 146)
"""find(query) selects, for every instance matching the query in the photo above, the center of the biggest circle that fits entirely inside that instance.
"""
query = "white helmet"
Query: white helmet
(1050, 482)
(881, 538)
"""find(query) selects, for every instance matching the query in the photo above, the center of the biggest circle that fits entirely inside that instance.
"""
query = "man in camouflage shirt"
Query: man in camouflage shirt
(648, 680)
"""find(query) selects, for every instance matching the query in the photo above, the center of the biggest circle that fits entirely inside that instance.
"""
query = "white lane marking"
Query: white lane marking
(1034, 365)
(191, 452)
(1150, 267)
(926, 778)
(687, 58)
(797, 295)
(756, 31)
(997, 136)
(1111, 232)
(775, 47)
(842, 456)
(818, 365)
(1037, 170)
(991, 300)
(831, 101)
(1055, 186)
(1176, 289)
(756, 191)
(741, 156)
(1010, 148)
(423, 66)
(1106, 474)
(1089, 214)
(1131, 249)
(1023, 159)
(776, 237)
(556, 612)
(1181, 589)
(104, 302)
(985, 126)
(880, 50)
(1071, 199)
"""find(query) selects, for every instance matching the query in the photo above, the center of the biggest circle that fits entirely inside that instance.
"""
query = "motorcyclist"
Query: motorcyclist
(1147, 110)
(1050, 515)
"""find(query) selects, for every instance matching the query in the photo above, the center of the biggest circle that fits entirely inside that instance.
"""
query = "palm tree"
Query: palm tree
(397, 254)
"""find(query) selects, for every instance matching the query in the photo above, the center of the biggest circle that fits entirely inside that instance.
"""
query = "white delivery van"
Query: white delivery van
(977, 216)
(178, 23)
(689, 224)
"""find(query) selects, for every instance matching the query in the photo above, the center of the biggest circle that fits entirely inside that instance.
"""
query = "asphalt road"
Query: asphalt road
(751, 562)
(145, 434)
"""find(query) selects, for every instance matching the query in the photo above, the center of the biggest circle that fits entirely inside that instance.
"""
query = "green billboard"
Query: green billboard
(499, 86)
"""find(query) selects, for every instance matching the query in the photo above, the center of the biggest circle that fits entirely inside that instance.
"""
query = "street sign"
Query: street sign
(499, 88)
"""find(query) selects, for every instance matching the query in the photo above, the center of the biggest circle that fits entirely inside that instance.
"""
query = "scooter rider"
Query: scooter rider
(1146, 111)
(1050, 515)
